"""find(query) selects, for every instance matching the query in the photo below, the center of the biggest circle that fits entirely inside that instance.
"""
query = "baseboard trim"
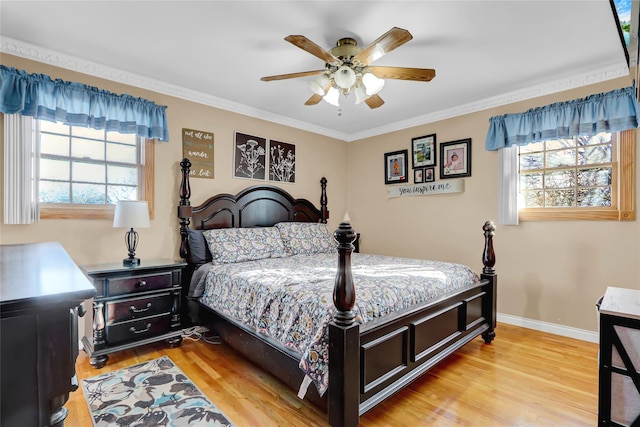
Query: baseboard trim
(552, 328)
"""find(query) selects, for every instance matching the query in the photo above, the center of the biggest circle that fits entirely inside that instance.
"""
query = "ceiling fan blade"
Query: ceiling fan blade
(305, 44)
(384, 44)
(403, 73)
(291, 76)
(374, 101)
(315, 98)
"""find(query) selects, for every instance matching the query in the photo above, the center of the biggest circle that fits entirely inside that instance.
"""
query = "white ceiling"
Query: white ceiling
(486, 53)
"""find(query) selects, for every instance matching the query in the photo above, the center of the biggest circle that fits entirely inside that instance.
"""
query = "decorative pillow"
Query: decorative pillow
(229, 245)
(198, 248)
(306, 238)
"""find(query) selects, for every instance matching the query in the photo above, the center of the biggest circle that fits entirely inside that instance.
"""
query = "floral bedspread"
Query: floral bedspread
(291, 299)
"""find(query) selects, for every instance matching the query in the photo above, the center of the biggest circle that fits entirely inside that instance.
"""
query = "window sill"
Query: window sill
(67, 211)
(576, 215)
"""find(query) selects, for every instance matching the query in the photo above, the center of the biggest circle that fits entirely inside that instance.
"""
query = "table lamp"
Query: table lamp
(131, 214)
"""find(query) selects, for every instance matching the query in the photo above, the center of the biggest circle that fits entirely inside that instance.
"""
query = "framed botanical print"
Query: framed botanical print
(395, 167)
(423, 151)
(455, 159)
(249, 156)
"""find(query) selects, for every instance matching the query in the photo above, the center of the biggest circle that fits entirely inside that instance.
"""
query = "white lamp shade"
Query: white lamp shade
(318, 84)
(333, 97)
(372, 83)
(131, 214)
(361, 94)
(344, 77)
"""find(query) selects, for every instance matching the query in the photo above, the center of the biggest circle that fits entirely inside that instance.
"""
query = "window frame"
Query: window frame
(88, 211)
(623, 174)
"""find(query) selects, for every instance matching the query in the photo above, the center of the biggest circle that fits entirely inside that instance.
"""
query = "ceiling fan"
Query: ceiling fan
(347, 68)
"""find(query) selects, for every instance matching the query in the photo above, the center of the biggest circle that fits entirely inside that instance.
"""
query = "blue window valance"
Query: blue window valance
(604, 112)
(76, 104)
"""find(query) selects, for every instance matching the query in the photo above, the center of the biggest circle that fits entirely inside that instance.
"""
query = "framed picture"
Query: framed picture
(249, 156)
(423, 150)
(395, 167)
(455, 159)
(418, 176)
(429, 175)
(282, 161)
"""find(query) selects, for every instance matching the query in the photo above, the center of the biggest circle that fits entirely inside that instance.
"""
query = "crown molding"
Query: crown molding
(47, 56)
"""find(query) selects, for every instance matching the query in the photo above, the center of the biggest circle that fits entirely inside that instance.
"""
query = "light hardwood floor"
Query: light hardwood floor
(524, 378)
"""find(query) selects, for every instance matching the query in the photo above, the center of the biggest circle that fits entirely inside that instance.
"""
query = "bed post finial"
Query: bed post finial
(344, 339)
(344, 292)
(324, 212)
(184, 207)
(488, 255)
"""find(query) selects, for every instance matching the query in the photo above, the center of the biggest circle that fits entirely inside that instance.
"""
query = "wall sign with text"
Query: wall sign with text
(197, 146)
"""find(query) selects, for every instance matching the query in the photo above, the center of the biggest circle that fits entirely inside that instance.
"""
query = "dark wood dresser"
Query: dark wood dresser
(41, 290)
(134, 305)
(619, 384)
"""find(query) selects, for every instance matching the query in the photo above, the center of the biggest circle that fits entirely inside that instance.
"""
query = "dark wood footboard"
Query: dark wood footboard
(368, 363)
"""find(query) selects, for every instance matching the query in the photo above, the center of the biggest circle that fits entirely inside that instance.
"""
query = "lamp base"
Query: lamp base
(128, 262)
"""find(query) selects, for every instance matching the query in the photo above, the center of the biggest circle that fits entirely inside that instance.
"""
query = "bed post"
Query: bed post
(184, 208)
(344, 339)
(324, 212)
(488, 273)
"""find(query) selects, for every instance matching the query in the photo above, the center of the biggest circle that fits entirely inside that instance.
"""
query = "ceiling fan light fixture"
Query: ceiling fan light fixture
(332, 97)
(318, 84)
(344, 77)
(372, 83)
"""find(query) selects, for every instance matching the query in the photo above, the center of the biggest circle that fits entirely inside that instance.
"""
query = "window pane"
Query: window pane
(560, 179)
(125, 138)
(531, 161)
(88, 172)
(121, 192)
(600, 196)
(122, 175)
(93, 194)
(531, 181)
(54, 169)
(594, 177)
(58, 127)
(530, 148)
(54, 192)
(121, 153)
(88, 133)
(600, 138)
(556, 159)
(54, 144)
(558, 144)
(534, 199)
(560, 198)
(88, 149)
(597, 154)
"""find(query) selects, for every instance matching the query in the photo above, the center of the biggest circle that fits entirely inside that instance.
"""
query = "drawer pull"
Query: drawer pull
(141, 331)
(141, 284)
(133, 309)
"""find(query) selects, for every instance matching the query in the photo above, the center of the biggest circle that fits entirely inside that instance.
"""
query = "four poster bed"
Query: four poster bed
(344, 341)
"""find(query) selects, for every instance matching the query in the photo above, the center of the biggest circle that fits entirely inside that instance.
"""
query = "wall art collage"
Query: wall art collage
(455, 161)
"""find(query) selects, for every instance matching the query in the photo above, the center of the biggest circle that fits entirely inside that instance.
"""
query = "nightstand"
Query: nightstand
(133, 306)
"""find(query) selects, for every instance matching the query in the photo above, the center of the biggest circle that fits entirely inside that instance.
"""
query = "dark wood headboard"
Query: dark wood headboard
(256, 206)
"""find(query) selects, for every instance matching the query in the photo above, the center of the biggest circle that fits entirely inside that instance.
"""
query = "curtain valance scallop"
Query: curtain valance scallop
(604, 112)
(77, 104)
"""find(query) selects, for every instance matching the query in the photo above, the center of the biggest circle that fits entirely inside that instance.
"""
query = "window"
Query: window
(588, 177)
(84, 171)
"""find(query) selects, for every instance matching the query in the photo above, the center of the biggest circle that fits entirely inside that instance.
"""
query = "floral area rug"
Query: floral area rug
(154, 393)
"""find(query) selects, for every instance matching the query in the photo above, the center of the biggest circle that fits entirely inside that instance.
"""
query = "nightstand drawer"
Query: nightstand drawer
(142, 283)
(136, 308)
(134, 330)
